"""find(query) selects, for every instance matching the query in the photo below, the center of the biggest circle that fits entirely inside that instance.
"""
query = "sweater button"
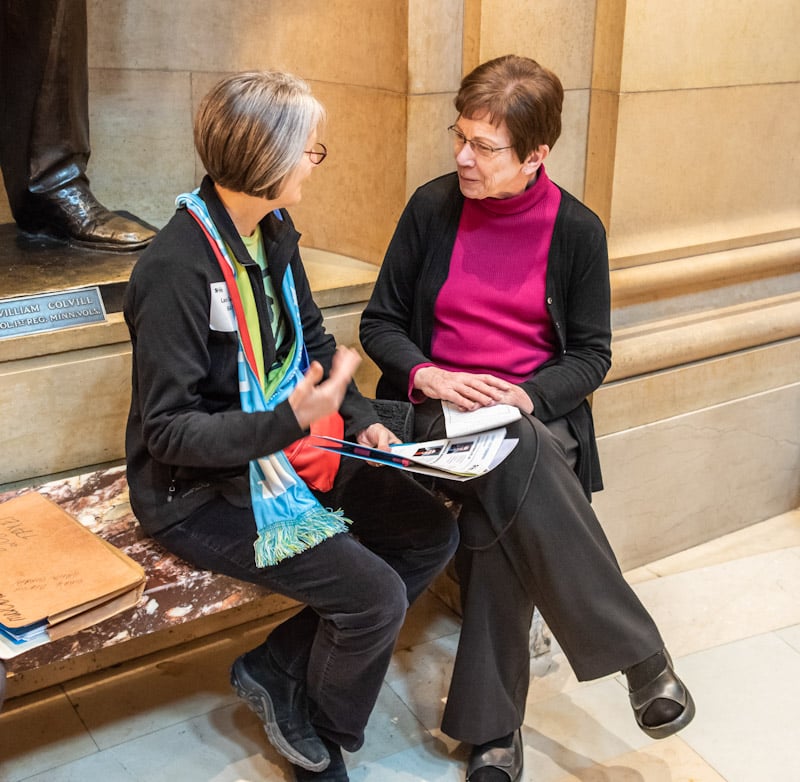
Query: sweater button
(549, 299)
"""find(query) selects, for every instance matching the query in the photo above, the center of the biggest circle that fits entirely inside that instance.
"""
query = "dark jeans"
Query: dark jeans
(356, 586)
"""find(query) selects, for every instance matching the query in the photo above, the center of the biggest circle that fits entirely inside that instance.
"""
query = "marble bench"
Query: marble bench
(179, 603)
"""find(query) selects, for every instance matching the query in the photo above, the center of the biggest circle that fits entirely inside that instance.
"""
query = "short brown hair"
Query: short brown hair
(520, 92)
(251, 130)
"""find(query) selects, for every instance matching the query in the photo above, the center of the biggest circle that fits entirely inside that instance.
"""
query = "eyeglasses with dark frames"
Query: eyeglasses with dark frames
(318, 153)
(478, 147)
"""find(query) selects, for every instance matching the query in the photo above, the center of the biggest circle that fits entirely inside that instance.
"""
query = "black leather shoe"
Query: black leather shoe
(335, 772)
(280, 702)
(74, 215)
(487, 762)
(665, 686)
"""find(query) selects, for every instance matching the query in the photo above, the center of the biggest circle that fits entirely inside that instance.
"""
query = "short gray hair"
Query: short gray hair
(251, 130)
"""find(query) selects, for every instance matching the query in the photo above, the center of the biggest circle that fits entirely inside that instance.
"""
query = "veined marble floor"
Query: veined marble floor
(729, 610)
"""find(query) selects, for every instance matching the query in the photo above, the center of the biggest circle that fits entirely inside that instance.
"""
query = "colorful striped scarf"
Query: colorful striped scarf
(289, 519)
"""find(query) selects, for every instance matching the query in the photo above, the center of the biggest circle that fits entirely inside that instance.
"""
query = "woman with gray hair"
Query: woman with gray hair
(231, 368)
(495, 289)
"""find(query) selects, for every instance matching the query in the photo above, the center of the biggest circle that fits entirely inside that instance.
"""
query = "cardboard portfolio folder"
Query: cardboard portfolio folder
(56, 576)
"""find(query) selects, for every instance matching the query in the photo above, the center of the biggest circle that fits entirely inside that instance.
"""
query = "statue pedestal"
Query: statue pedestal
(29, 266)
(64, 395)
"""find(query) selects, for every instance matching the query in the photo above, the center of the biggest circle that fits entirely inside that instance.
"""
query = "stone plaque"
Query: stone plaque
(22, 315)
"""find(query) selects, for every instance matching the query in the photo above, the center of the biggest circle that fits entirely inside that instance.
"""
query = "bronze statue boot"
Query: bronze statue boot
(72, 213)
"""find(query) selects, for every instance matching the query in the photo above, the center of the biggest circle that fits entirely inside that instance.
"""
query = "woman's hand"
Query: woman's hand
(312, 399)
(376, 436)
(470, 391)
(516, 396)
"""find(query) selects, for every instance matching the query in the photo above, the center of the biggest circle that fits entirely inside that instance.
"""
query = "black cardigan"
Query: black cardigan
(187, 438)
(397, 324)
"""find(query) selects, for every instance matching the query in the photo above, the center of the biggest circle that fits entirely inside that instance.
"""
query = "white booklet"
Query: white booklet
(459, 423)
(456, 458)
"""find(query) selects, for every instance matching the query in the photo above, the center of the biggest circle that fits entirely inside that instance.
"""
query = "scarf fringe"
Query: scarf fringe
(287, 538)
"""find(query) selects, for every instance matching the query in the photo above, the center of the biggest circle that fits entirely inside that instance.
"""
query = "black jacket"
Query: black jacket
(187, 438)
(397, 325)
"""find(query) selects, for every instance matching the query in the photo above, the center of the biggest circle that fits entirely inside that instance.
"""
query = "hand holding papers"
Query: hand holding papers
(470, 449)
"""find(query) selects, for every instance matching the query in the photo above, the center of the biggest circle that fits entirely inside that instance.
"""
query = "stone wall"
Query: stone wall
(680, 130)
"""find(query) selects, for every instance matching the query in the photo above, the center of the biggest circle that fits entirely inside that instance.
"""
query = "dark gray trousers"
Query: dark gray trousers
(529, 537)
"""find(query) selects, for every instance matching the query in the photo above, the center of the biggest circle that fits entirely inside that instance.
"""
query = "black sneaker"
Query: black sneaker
(280, 702)
(335, 772)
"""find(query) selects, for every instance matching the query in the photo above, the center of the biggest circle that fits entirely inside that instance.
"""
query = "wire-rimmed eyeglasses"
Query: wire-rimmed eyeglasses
(318, 153)
(478, 147)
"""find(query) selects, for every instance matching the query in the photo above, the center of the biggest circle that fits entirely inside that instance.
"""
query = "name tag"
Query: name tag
(221, 317)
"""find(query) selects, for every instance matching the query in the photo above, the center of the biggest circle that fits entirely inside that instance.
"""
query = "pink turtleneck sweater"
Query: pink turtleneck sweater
(491, 315)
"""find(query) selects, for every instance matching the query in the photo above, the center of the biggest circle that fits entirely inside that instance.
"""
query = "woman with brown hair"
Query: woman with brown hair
(495, 289)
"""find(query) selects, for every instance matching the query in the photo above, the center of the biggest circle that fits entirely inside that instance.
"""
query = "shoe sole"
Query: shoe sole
(257, 698)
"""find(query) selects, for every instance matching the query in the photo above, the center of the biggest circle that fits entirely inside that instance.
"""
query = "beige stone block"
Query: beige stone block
(713, 299)
(651, 346)
(609, 37)
(642, 400)
(341, 288)
(5, 209)
(567, 161)
(558, 34)
(689, 478)
(201, 84)
(651, 282)
(337, 279)
(67, 410)
(472, 34)
(341, 41)
(716, 43)
(434, 45)
(343, 323)
(601, 146)
(351, 202)
(141, 135)
(767, 537)
(704, 170)
(105, 334)
(429, 149)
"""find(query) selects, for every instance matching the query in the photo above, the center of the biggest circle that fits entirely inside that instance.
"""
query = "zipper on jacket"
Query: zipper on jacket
(172, 488)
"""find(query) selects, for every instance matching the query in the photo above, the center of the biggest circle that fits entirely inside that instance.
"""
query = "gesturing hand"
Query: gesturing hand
(314, 398)
(470, 391)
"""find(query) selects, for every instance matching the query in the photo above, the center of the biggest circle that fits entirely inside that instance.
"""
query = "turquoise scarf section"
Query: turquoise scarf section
(289, 519)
